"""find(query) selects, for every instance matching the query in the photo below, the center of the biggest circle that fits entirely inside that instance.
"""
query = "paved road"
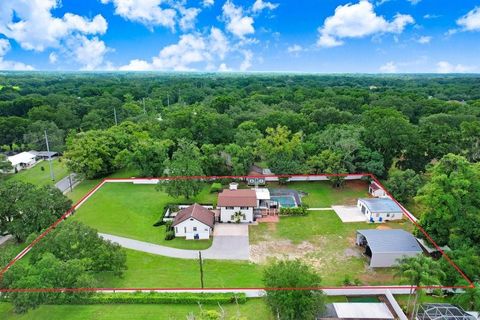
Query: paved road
(64, 184)
(5, 238)
(224, 247)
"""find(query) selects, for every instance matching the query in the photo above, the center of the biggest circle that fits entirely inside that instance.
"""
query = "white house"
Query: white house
(376, 190)
(237, 204)
(380, 209)
(194, 222)
(22, 160)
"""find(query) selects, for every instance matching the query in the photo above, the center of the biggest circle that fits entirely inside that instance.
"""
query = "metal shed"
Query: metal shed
(385, 247)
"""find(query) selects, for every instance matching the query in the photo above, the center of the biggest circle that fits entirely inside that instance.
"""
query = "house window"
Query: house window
(185, 229)
(243, 208)
(229, 208)
(194, 228)
(388, 215)
(176, 229)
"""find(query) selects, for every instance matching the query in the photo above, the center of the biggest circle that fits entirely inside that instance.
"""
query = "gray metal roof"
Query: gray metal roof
(381, 205)
(389, 241)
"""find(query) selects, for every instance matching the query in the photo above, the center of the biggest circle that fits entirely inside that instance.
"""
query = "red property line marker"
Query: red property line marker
(354, 176)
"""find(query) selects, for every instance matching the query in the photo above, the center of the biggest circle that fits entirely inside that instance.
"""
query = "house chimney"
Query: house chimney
(233, 186)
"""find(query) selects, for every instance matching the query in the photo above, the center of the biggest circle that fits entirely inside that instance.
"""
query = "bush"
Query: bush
(216, 187)
(169, 235)
(168, 225)
(156, 298)
(299, 211)
(159, 223)
(42, 168)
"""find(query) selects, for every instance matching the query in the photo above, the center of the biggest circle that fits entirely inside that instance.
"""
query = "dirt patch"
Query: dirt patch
(375, 277)
(357, 185)
(279, 249)
(383, 227)
(272, 227)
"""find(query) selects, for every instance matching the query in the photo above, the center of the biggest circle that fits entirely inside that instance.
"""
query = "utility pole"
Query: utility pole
(201, 267)
(52, 175)
(144, 110)
(115, 115)
(168, 99)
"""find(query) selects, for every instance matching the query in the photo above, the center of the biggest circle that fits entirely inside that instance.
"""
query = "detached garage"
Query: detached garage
(380, 209)
(194, 223)
(385, 247)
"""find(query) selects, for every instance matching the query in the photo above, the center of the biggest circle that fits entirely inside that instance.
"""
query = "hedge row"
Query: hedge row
(160, 298)
(299, 211)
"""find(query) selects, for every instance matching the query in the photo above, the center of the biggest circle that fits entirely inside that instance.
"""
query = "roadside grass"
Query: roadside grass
(36, 176)
(154, 271)
(253, 309)
(129, 210)
(321, 194)
(334, 254)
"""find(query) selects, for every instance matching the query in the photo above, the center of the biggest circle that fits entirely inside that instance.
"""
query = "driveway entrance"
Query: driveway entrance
(349, 214)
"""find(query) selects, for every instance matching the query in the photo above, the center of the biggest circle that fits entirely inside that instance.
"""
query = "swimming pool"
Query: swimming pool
(285, 201)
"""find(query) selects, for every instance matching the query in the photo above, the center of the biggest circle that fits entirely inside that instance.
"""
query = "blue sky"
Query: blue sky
(325, 36)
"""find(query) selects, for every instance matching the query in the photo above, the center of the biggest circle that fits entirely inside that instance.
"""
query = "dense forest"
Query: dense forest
(420, 133)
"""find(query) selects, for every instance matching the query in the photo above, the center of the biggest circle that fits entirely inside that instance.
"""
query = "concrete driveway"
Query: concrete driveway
(230, 242)
(349, 213)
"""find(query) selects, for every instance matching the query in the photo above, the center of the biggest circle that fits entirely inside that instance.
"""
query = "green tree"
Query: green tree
(328, 162)
(403, 185)
(185, 162)
(293, 304)
(239, 159)
(419, 271)
(451, 197)
(26, 208)
(5, 165)
(247, 134)
(35, 138)
(470, 132)
(470, 298)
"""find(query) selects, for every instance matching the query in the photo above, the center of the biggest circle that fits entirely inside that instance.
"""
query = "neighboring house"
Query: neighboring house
(22, 160)
(45, 155)
(237, 203)
(194, 222)
(385, 247)
(376, 190)
(380, 209)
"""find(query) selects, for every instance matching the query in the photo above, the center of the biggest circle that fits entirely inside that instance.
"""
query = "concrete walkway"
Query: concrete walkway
(68, 183)
(234, 247)
(320, 209)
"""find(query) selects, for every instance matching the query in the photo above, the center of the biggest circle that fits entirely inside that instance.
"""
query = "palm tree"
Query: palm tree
(470, 298)
(420, 271)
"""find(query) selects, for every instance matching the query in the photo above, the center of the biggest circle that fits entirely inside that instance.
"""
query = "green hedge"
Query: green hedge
(299, 211)
(159, 298)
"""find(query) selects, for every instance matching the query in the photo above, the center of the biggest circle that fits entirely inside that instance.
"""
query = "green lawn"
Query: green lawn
(253, 309)
(330, 244)
(129, 210)
(320, 194)
(153, 271)
(38, 177)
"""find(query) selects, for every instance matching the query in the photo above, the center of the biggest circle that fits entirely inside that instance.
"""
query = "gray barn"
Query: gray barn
(385, 247)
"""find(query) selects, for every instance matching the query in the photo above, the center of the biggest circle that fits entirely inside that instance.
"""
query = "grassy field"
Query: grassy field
(38, 177)
(253, 309)
(320, 194)
(325, 242)
(147, 271)
(129, 210)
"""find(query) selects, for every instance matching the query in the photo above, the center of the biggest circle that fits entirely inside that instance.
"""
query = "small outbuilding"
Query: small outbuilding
(386, 247)
(22, 160)
(194, 222)
(380, 209)
(376, 190)
(45, 155)
(357, 310)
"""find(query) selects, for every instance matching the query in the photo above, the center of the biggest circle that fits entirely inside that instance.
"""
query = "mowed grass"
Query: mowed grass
(253, 309)
(154, 271)
(321, 194)
(36, 176)
(130, 210)
(335, 255)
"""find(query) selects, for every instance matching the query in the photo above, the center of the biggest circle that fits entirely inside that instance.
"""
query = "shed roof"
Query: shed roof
(43, 153)
(362, 310)
(197, 212)
(390, 241)
(237, 198)
(381, 205)
(23, 157)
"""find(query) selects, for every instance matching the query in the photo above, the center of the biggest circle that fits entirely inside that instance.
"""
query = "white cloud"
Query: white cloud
(424, 39)
(88, 52)
(357, 21)
(208, 3)
(236, 22)
(31, 24)
(389, 67)
(247, 60)
(470, 21)
(189, 17)
(8, 64)
(295, 49)
(224, 68)
(53, 58)
(147, 12)
(447, 67)
(431, 16)
(260, 5)
(191, 51)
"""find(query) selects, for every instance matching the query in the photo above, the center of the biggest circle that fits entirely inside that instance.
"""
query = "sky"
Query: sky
(313, 36)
